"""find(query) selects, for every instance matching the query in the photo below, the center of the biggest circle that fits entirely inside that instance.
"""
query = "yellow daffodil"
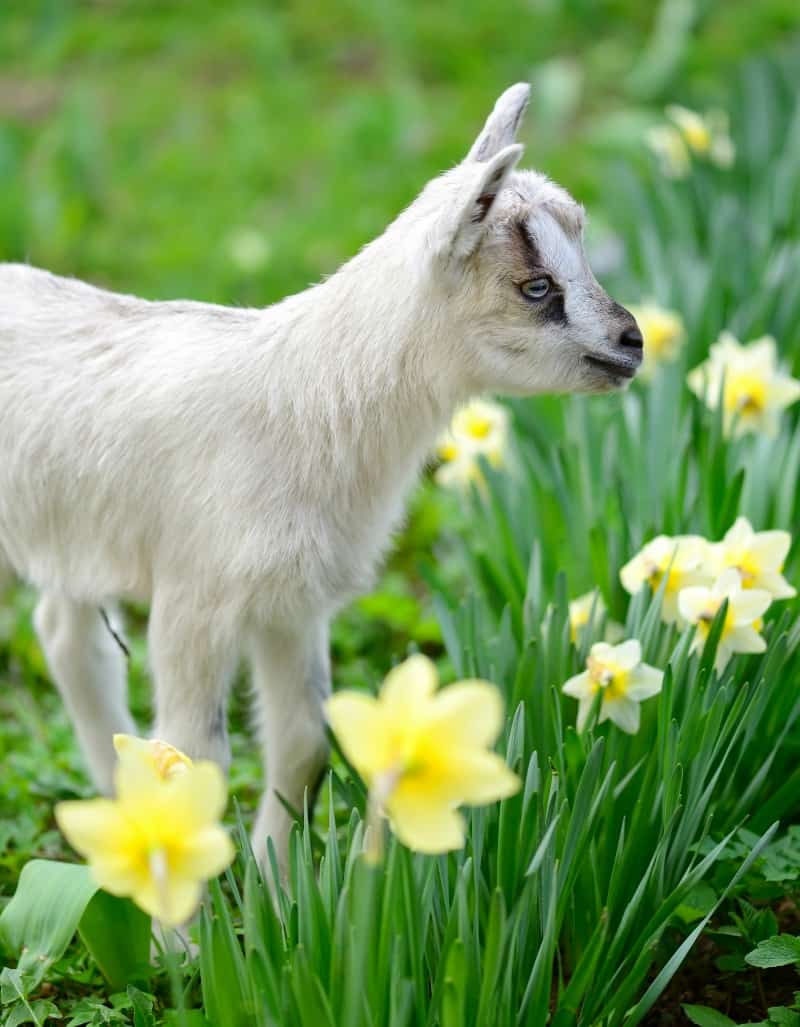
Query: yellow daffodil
(758, 556)
(706, 136)
(663, 331)
(159, 839)
(755, 390)
(672, 153)
(684, 559)
(618, 673)
(423, 752)
(164, 758)
(700, 604)
(479, 429)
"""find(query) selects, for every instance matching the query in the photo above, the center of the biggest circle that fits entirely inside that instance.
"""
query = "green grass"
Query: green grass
(238, 152)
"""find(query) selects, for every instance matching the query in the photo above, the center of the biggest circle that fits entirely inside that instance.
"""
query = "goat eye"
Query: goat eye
(536, 288)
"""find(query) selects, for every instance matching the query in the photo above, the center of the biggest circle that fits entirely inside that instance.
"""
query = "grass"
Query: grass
(236, 153)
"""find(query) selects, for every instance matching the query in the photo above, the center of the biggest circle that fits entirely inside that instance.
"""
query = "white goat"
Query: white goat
(242, 470)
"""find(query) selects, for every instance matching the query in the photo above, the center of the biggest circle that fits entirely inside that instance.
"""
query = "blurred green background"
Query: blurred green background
(238, 151)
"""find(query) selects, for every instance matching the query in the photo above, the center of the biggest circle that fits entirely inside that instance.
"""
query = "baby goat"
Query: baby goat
(242, 470)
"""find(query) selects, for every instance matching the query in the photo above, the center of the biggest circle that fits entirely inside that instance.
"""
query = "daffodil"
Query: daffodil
(700, 604)
(159, 839)
(164, 758)
(755, 390)
(589, 605)
(706, 136)
(672, 153)
(423, 752)
(617, 672)
(758, 556)
(684, 561)
(663, 332)
(479, 429)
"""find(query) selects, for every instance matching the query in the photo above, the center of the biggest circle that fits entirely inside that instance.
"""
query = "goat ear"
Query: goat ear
(477, 200)
(501, 126)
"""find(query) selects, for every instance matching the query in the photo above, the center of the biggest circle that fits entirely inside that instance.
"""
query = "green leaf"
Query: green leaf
(781, 950)
(704, 1016)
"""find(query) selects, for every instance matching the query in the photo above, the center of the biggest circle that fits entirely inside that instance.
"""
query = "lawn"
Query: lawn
(237, 152)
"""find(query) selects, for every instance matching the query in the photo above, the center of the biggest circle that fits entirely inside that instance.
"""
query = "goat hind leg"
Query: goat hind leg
(89, 670)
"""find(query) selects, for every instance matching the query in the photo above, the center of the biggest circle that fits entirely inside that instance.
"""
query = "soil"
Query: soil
(744, 997)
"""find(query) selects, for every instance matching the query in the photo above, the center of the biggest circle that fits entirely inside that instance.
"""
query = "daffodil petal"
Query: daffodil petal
(91, 826)
(751, 604)
(770, 549)
(579, 686)
(739, 534)
(628, 654)
(692, 603)
(777, 586)
(360, 726)
(584, 709)
(478, 777)
(199, 795)
(207, 853)
(624, 712)
(644, 681)
(179, 901)
(472, 711)
(746, 640)
(426, 827)
(409, 685)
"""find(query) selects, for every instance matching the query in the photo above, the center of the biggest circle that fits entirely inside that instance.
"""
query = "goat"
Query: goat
(241, 470)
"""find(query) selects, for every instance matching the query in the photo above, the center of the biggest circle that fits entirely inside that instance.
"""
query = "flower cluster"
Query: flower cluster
(744, 569)
(160, 838)
(747, 380)
(423, 752)
(479, 429)
(687, 134)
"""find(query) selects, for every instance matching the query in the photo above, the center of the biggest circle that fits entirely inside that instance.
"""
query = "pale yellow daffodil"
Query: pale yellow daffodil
(699, 605)
(705, 135)
(663, 332)
(159, 839)
(423, 752)
(758, 556)
(618, 673)
(668, 146)
(755, 390)
(683, 558)
(479, 429)
(589, 605)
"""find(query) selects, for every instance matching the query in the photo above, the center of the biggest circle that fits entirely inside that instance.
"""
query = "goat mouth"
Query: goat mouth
(617, 368)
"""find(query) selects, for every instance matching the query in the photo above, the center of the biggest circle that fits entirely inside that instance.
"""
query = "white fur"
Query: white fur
(242, 470)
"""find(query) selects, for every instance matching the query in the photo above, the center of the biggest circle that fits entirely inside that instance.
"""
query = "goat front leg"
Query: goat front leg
(88, 667)
(291, 680)
(193, 654)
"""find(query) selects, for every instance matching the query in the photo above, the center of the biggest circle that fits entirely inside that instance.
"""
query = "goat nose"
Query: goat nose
(631, 337)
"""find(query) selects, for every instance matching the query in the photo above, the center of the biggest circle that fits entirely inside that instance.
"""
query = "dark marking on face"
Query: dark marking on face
(532, 256)
(555, 311)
